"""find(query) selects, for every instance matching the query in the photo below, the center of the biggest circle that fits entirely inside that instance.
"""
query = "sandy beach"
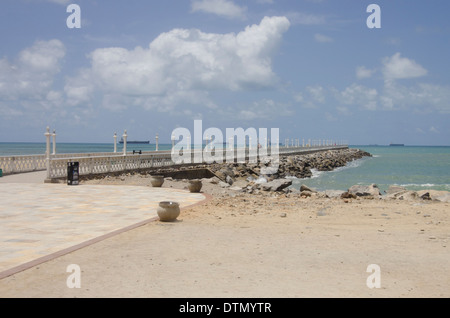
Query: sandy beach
(266, 245)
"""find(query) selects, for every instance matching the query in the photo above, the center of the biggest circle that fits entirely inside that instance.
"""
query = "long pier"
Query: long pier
(112, 162)
(104, 163)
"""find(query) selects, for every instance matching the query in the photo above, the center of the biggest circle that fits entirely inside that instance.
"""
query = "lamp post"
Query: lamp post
(115, 142)
(156, 141)
(54, 142)
(47, 151)
(125, 142)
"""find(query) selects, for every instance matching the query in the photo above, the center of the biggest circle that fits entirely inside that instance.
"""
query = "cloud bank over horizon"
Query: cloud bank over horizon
(305, 67)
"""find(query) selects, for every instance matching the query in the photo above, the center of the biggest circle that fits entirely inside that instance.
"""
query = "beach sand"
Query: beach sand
(269, 245)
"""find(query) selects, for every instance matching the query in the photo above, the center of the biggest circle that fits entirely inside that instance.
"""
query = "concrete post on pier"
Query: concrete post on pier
(125, 136)
(303, 142)
(173, 142)
(54, 142)
(157, 142)
(115, 142)
(206, 143)
(47, 151)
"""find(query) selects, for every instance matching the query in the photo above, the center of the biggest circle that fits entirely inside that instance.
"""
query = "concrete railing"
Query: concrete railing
(31, 163)
(91, 165)
(20, 164)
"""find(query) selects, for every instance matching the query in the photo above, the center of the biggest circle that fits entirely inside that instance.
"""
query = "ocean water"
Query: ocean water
(413, 167)
(17, 149)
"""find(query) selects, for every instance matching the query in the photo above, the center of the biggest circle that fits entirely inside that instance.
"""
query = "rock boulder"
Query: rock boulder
(276, 185)
(365, 191)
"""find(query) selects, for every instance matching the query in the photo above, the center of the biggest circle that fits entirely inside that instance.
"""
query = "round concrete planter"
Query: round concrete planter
(157, 181)
(168, 211)
(195, 186)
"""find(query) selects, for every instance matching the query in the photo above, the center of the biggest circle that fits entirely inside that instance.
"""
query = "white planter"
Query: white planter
(157, 181)
(195, 186)
(168, 211)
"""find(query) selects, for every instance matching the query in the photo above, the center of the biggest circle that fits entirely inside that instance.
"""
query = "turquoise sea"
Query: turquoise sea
(414, 167)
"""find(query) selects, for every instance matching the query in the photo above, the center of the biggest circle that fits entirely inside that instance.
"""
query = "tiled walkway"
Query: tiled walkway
(37, 220)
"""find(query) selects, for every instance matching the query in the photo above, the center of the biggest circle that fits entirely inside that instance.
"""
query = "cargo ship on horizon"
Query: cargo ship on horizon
(134, 141)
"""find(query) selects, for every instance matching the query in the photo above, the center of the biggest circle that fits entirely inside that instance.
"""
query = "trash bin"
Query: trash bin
(73, 173)
(1, 173)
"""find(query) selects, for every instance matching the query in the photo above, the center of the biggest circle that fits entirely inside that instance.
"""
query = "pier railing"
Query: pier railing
(92, 165)
(108, 164)
(31, 163)
(19, 164)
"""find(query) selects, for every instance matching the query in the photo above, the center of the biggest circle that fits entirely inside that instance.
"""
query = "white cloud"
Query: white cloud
(343, 110)
(317, 93)
(397, 67)
(180, 66)
(434, 130)
(31, 75)
(63, 2)
(358, 95)
(422, 97)
(298, 97)
(306, 18)
(362, 72)
(419, 130)
(390, 96)
(311, 96)
(330, 117)
(224, 8)
(265, 109)
(322, 38)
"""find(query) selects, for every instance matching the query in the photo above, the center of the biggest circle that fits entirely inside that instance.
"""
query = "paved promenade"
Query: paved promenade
(40, 221)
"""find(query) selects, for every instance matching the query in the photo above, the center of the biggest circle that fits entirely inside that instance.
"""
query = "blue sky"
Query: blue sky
(311, 68)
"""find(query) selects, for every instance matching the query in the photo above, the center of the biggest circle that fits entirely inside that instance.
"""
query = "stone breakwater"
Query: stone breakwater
(299, 166)
(249, 177)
